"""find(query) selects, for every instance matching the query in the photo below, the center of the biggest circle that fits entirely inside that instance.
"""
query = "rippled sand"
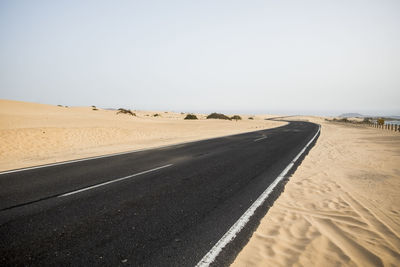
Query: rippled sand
(340, 208)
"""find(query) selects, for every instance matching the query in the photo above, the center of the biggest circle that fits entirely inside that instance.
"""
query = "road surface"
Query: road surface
(161, 207)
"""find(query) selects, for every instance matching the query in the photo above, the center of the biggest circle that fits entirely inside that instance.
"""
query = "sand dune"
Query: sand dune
(341, 207)
(33, 134)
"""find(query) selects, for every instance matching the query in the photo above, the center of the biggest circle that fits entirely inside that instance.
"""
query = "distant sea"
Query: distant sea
(393, 122)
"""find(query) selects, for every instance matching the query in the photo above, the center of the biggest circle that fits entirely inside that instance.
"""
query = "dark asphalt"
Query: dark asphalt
(168, 217)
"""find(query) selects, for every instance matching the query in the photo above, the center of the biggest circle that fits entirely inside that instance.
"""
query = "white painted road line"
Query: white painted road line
(260, 138)
(115, 154)
(113, 181)
(244, 219)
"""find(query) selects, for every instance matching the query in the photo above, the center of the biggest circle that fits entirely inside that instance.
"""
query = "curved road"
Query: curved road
(160, 207)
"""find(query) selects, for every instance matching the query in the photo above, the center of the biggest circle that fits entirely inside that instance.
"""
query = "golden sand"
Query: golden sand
(33, 134)
(340, 208)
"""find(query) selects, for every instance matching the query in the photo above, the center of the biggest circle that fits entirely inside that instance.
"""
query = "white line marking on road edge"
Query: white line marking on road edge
(113, 181)
(126, 152)
(244, 219)
(260, 138)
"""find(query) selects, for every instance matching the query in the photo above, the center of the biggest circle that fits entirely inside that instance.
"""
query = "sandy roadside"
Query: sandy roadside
(341, 207)
(33, 134)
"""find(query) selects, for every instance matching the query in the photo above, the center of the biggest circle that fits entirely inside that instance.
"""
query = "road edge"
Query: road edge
(126, 152)
(222, 248)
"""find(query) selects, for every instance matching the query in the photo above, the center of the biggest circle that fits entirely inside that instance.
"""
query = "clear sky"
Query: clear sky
(300, 57)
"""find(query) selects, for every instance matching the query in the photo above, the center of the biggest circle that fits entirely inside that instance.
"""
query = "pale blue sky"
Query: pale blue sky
(308, 57)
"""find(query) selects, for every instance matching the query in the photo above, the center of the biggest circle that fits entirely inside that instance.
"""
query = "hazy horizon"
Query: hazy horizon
(285, 57)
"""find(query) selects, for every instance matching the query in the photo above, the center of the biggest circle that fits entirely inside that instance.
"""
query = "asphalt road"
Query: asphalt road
(159, 207)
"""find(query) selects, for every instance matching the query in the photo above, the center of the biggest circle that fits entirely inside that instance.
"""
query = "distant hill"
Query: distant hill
(349, 115)
(358, 115)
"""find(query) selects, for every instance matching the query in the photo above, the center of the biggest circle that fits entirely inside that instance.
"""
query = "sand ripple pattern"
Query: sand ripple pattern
(341, 207)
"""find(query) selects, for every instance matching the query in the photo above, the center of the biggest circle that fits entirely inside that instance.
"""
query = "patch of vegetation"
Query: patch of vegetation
(59, 105)
(156, 115)
(236, 117)
(191, 117)
(367, 120)
(219, 116)
(126, 111)
(341, 120)
(251, 118)
(381, 121)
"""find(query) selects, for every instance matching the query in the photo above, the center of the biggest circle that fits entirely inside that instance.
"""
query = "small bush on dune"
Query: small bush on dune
(236, 117)
(156, 115)
(341, 120)
(381, 121)
(218, 116)
(191, 117)
(125, 111)
(367, 120)
(251, 118)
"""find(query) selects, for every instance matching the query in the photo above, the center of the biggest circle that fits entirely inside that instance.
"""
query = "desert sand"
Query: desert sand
(34, 134)
(340, 208)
